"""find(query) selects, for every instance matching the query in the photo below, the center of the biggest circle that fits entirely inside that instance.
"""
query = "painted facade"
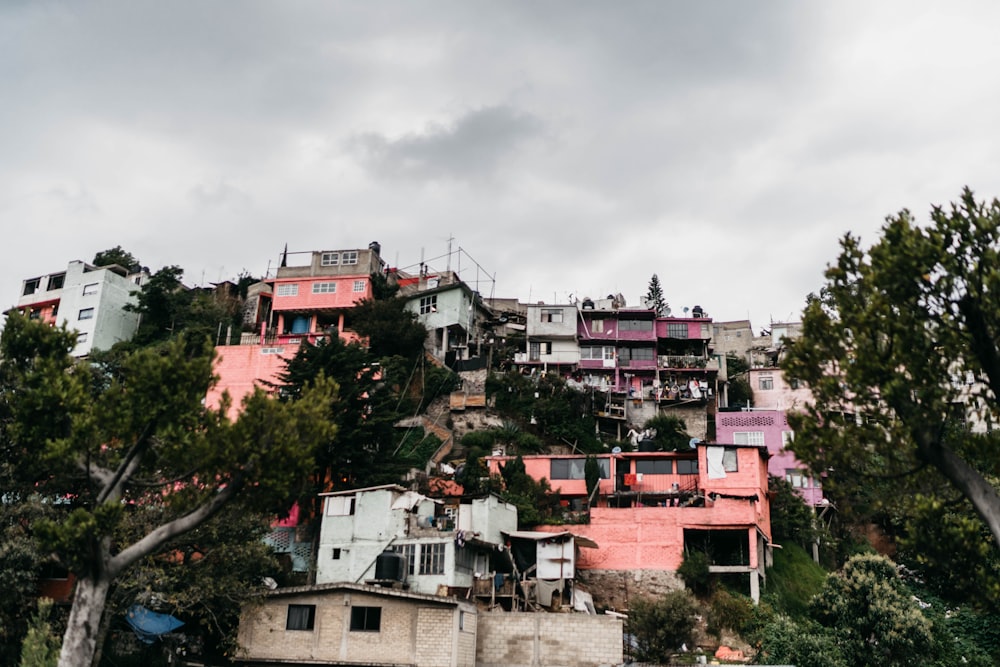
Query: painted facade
(770, 428)
(88, 299)
(309, 298)
(652, 506)
(439, 543)
(455, 315)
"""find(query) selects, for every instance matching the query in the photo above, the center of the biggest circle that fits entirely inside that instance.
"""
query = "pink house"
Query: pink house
(309, 299)
(769, 428)
(651, 507)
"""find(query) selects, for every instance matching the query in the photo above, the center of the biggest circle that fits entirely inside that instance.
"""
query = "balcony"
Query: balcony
(687, 361)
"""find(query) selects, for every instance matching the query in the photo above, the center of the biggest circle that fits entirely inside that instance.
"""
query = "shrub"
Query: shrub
(661, 625)
(729, 612)
(694, 572)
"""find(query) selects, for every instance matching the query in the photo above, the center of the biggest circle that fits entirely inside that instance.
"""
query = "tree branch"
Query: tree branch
(164, 533)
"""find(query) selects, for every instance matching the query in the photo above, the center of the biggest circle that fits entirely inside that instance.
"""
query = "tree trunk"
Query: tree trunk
(83, 628)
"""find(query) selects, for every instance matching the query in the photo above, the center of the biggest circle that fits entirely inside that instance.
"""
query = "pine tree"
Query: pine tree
(654, 297)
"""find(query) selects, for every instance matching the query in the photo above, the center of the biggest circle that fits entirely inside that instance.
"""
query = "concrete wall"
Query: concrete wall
(548, 640)
(241, 368)
(414, 632)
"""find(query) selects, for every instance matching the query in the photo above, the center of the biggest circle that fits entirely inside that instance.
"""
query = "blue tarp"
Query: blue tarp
(148, 625)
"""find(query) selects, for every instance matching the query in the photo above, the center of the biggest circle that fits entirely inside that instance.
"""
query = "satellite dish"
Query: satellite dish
(616, 450)
(694, 442)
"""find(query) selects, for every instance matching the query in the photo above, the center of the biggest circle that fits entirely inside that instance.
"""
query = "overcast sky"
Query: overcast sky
(571, 149)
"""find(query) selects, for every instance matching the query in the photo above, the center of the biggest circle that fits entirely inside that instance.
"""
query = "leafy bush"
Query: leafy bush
(660, 626)
(671, 432)
(482, 440)
(694, 572)
(729, 612)
(786, 642)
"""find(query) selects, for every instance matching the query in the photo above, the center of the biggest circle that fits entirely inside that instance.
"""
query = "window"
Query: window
(329, 259)
(787, 437)
(349, 257)
(677, 330)
(537, 349)
(597, 352)
(655, 467)
(432, 558)
(301, 617)
(793, 384)
(81, 338)
(748, 438)
(340, 506)
(336, 553)
(461, 620)
(626, 354)
(288, 289)
(359, 285)
(730, 460)
(86, 314)
(428, 304)
(797, 478)
(552, 315)
(636, 325)
(366, 619)
(31, 286)
(409, 552)
(574, 468)
(597, 326)
(765, 383)
(57, 281)
(687, 467)
(324, 288)
(90, 289)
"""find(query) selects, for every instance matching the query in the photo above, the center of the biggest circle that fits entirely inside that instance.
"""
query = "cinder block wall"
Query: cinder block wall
(548, 640)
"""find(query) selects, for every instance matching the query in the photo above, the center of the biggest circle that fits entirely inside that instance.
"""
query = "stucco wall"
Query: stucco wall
(548, 640)
(240, 367)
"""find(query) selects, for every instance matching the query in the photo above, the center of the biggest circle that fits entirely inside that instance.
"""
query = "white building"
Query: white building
(365, 533)
(88, 299)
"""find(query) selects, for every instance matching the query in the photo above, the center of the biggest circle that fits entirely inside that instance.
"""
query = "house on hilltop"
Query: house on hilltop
(93, 300)
(650, 508)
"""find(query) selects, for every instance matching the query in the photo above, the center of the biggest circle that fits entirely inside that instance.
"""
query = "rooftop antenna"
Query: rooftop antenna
(448, 264)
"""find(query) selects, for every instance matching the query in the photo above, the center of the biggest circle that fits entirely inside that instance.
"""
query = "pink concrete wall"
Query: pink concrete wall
(773, 423)
(344, 297)
(653, 537)
(782, 396)
(241, 367)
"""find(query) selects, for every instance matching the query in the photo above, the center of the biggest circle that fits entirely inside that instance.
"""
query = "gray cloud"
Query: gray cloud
(472, 147)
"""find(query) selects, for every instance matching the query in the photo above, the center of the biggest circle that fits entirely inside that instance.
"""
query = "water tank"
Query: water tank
(300, 325)
(647, 445)
(375, 247)
(390, 566)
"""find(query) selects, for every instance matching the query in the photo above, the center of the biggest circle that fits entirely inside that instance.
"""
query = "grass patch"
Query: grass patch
(793, 580)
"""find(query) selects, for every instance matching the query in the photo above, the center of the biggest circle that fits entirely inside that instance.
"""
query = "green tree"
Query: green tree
(804, 644)
(143, 438)
(116, 255)
(887, 348)
(362, 453)
(661, 625)
(41, 646)
(739, 392)
(791, 518)
(654, 297)
(391, 329)
(873, 615)
(671, 432)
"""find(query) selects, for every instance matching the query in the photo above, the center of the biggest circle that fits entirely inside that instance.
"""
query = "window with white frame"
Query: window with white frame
(349, 257)
(288, 289)
(597, 352)
(552, 315)
(765, 383)
(748, 438)
(597, 326)
(340, 506)
(359, 285)
(409, 552)
(86, 314)
(432, 558)
(329, 259)
(90, 288)
(81, 337)
(324, 288)
(787, 437)
(799, 479)
(428, 304)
